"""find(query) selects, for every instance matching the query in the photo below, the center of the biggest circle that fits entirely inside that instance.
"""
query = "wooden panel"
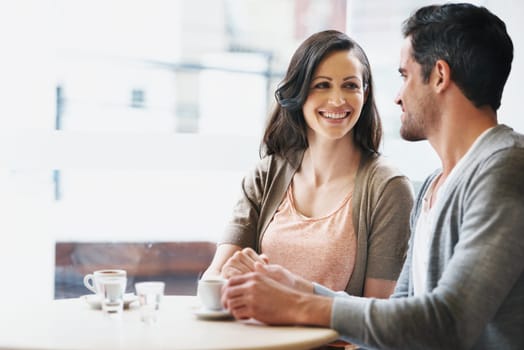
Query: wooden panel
(179, 264)
(142, 259)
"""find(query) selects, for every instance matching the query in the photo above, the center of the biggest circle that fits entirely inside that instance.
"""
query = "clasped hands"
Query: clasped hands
(260, 290)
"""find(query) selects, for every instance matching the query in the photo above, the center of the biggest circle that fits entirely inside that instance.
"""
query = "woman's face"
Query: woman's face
(336, 97)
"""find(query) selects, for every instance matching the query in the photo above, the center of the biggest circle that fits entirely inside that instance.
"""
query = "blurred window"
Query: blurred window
(135, 121)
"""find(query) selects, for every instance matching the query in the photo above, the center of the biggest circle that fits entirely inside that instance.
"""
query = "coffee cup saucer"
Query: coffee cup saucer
(96, 303)
(208, 314)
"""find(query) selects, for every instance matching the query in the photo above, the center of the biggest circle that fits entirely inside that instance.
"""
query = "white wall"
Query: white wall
(27, 94)
(512, 12)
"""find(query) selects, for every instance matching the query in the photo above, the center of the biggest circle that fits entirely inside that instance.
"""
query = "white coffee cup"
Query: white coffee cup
(210, 292)
(92, 280)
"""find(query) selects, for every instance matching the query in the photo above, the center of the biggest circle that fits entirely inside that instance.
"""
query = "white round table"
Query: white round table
(72, 324)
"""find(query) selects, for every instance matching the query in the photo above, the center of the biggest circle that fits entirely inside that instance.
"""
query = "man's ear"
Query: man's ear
(441, 75)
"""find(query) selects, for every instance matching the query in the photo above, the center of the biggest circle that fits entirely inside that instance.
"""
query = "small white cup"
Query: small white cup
(210, 292)
(149, 295)
(92, 280)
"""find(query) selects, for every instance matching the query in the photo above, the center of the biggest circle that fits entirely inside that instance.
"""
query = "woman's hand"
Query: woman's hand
(241, 262)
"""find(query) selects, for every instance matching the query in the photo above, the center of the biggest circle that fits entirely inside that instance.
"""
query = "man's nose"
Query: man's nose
(397, 99)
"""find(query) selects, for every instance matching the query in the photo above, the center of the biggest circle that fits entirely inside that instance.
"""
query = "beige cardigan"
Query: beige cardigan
(382, 201)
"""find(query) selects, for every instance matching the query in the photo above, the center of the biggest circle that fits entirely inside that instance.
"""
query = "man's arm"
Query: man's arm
(484, 267)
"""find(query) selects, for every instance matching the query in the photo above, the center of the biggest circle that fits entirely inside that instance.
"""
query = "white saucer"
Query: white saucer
(206, 314)
(94, 300)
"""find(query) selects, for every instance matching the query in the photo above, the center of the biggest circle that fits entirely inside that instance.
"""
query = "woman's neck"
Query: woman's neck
(324, 162)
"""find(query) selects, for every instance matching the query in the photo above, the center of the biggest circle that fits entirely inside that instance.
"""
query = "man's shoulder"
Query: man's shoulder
(508, 160)
(503, 137)
(502, 147)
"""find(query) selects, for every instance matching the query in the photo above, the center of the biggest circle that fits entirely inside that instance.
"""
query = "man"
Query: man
(462, 285)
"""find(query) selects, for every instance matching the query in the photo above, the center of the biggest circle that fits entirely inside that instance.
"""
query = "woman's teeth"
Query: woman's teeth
(334, 115)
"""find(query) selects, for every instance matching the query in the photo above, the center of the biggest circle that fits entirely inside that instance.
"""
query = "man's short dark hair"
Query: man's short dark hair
(472, 40)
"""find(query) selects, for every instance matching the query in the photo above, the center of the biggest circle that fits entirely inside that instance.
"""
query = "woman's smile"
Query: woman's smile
(335, 115)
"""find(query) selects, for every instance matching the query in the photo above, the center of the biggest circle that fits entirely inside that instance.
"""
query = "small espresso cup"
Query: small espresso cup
(210, 292)
(92, 281)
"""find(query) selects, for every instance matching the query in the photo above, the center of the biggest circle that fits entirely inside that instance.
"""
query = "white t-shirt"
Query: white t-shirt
(422, 241)
(423, 228)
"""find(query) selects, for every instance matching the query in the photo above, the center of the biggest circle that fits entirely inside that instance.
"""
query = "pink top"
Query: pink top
(321, 249)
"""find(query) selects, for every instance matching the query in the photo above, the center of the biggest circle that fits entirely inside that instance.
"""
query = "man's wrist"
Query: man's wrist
(314, 310)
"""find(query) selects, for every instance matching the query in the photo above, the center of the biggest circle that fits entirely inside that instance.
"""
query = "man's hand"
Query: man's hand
(257, 295)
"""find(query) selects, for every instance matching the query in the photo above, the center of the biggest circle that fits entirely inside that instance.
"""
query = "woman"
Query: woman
(322, 202)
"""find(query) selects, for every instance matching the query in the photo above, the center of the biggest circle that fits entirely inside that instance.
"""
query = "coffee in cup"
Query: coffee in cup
(92, 281)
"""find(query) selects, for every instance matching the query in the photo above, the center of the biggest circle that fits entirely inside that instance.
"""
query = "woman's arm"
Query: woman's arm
(388, 237)
(241, 231)
(231, 260)
(378, 288)
(222, 254)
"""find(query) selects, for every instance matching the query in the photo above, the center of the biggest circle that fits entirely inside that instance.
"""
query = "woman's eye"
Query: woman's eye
(352, 86)
(321, 85)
